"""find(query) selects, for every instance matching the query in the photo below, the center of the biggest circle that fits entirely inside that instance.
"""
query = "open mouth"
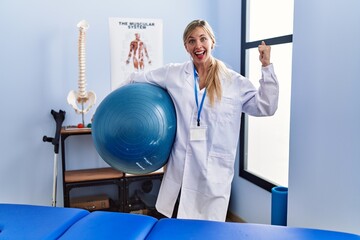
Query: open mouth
(199, 54)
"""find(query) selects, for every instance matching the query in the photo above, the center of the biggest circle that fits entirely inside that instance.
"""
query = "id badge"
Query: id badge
(198, 133)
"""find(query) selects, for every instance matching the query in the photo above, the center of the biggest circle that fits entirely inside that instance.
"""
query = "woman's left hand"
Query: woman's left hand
(264, 56)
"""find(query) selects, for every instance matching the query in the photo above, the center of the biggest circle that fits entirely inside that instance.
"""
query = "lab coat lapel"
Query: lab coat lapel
(189, 77)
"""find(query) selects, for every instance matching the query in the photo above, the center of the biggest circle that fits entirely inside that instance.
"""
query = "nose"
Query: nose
(198, 44)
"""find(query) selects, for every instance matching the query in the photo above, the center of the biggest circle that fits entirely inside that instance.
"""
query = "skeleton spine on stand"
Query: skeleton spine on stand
(85, 99)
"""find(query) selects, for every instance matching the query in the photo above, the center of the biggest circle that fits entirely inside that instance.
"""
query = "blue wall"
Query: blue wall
(324, 179)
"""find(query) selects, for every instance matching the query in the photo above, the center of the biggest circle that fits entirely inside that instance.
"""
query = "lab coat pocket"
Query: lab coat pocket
(220, 167)
(227, 110)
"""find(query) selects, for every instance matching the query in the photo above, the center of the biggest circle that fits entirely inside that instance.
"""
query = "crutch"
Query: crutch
(59, 119)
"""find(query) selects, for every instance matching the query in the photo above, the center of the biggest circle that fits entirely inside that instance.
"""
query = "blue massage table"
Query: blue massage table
(19, 221)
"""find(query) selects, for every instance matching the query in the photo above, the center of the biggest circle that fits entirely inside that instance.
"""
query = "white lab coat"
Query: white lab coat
(203, 170)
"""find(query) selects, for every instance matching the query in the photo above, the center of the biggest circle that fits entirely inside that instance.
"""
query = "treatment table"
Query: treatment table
(20, 221)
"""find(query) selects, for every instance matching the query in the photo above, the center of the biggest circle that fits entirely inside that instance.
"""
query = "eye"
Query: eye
(191, 41)
(203, 39)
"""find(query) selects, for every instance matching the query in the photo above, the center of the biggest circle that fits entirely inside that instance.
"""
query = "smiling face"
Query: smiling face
(199, 44)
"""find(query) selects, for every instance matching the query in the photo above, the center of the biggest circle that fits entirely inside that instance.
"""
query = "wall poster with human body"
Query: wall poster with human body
(135, 45)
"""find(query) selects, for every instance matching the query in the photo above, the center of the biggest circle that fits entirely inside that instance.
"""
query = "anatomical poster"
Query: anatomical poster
(136, 45)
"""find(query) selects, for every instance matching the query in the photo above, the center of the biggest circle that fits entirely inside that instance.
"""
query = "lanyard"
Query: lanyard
(196, 77)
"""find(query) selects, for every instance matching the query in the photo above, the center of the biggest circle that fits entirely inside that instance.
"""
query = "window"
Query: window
(264, 148)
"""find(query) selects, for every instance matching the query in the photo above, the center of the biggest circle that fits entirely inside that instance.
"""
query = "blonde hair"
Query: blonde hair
(216, 68)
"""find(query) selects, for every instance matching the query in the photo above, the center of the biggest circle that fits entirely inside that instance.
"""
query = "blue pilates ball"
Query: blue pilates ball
(134, 128)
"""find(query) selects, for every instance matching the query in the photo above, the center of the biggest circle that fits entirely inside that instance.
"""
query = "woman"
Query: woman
(209, 99)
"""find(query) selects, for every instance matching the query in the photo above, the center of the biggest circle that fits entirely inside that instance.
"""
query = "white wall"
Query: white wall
(324, 179)
(39, 66)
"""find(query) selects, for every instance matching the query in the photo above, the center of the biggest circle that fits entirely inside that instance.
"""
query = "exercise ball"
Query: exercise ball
(134, 127)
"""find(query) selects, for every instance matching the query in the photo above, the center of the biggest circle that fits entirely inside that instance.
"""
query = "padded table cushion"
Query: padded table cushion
(111, 225)
(198, 229)
(36, 222)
